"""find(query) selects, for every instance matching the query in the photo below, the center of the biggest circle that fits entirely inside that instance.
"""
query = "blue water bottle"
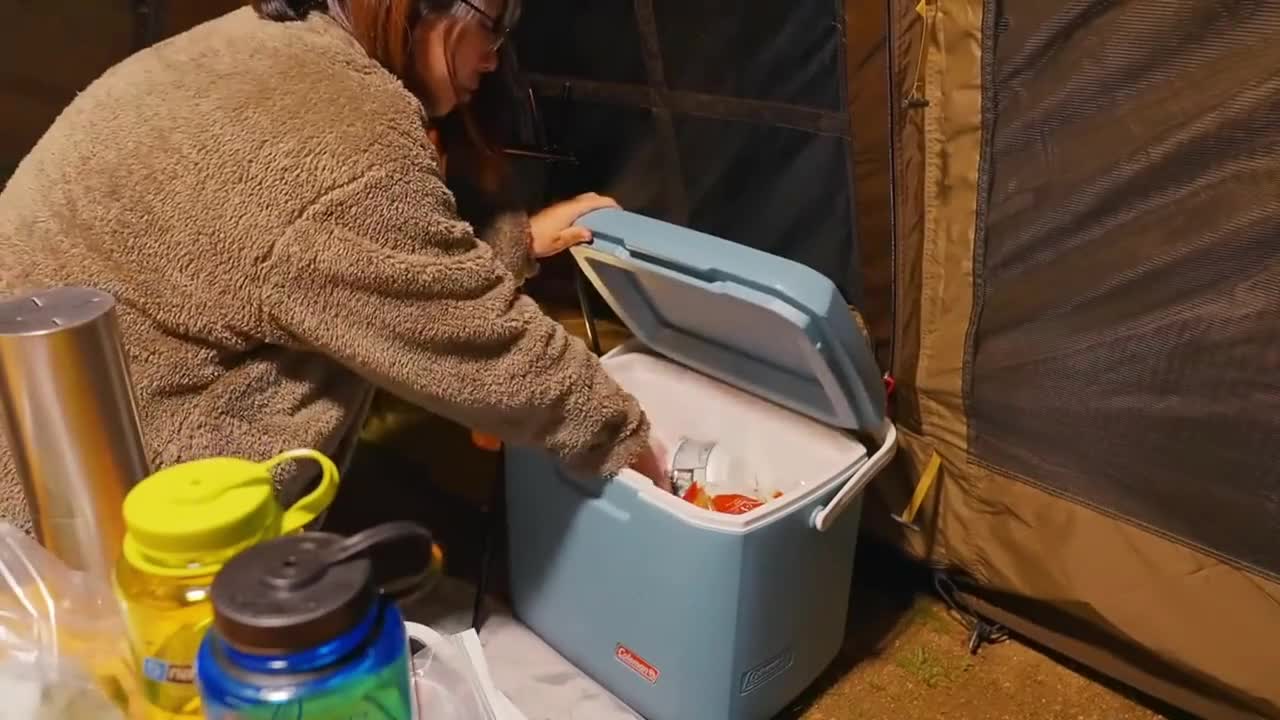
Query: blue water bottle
(302, 632)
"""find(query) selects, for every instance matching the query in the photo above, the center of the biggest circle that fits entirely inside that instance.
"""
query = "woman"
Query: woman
(262, 196)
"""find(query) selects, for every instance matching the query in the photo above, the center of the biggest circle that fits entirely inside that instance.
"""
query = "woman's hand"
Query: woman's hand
(651, 464)
(553, 229)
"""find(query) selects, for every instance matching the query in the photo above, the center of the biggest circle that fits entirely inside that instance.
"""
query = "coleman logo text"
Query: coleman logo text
(636, 663)
(766, 671)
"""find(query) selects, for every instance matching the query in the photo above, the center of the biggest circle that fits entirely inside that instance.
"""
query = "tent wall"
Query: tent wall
(1129, 293)
(1086, 329)
(38, 76)
(867, 74)
(51, 49)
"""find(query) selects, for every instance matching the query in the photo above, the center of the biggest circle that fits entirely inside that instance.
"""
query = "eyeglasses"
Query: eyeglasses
(496, 27)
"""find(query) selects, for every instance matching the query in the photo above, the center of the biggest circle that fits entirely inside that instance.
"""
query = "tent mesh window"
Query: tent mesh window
(728, 117)
(1126, 345)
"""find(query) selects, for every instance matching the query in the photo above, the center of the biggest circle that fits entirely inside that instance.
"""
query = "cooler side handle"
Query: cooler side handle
(825, 516)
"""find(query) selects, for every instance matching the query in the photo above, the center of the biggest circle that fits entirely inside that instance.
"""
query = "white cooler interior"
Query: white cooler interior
(795, 454)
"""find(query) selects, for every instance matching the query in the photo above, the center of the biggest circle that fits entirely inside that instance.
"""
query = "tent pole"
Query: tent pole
(893, 114)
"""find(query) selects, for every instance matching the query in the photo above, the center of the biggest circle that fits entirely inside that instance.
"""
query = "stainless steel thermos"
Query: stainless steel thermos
(68, 412)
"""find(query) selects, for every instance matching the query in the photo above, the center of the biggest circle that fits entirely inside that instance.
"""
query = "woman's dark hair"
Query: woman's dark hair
(385, 28)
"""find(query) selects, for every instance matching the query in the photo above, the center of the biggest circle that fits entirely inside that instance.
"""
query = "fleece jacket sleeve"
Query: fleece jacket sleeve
(511, 237)
(381, 275)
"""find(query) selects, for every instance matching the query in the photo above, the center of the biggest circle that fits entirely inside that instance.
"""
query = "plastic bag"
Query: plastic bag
(451, 679)
(63, 648)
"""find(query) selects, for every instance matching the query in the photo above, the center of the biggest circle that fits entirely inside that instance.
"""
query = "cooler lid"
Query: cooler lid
(765, 324)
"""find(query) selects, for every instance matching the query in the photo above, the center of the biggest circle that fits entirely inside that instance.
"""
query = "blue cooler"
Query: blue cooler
(685, 613)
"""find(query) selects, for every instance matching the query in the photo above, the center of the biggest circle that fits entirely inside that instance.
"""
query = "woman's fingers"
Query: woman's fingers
(561, 241)
(566, 213)
(572, 236)
(588, 202)
(650, 464)
(553, 228)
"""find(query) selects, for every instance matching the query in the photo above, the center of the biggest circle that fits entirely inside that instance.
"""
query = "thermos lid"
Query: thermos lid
(187, 518)
(301, 591)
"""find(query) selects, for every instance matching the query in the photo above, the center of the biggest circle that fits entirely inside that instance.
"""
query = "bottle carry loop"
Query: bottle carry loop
(295, 572)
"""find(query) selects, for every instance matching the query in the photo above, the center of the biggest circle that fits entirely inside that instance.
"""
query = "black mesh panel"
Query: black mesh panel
(785, 52)
(589, 39)
(727, 117)
(734, 170)
(1127, 352)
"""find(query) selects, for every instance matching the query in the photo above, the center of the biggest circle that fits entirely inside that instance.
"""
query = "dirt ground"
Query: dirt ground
(906, 657)
(926, 672)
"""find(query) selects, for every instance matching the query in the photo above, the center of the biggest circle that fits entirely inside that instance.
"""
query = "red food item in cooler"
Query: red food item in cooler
(691, 493)
(485, 442)
(696, 495)
(729, 503)
(734, 504)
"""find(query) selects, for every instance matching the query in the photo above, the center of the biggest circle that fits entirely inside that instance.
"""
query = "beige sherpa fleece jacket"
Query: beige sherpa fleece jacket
(263, 201)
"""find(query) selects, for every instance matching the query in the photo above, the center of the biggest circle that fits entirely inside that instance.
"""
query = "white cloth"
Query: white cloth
(540, 683)
(451, 679)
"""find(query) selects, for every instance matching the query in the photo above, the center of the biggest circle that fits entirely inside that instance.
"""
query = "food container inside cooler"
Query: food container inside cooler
(780, 449)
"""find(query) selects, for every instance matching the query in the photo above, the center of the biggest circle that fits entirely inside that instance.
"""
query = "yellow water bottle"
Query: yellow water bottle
(181, 525)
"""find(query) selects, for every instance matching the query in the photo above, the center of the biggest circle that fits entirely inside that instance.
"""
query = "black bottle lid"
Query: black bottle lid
(300, 591)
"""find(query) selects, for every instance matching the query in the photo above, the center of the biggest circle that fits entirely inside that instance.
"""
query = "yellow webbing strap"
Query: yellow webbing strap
(908, 516)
